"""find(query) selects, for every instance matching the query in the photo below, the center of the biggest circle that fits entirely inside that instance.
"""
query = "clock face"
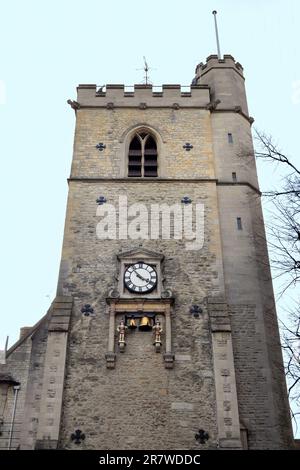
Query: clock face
(140, 278)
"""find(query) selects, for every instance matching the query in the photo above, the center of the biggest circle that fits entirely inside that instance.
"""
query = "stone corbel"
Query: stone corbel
(74, 104)
(213, 105)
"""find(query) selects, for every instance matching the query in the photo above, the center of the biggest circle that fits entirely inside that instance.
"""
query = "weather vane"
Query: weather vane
(146, 69)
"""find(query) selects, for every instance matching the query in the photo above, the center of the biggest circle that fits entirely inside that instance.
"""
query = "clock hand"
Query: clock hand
(141, 277)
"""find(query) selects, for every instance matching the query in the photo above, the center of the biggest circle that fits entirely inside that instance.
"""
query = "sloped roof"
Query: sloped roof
(30, 332)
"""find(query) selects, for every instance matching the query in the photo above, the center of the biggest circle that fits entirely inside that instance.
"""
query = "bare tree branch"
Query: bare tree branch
(283, 233)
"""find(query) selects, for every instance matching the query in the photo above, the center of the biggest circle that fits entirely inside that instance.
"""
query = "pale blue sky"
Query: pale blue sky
(48, 47)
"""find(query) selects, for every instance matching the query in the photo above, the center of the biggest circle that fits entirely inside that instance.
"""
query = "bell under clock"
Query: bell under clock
(140, 278)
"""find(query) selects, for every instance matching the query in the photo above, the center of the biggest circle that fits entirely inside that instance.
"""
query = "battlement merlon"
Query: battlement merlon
(226, 81)
(143, 96)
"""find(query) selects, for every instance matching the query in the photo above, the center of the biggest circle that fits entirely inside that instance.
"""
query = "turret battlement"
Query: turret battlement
(143, 96)
(213, 61)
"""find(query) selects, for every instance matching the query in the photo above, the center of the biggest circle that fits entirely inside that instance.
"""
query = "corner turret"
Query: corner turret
(226, 81)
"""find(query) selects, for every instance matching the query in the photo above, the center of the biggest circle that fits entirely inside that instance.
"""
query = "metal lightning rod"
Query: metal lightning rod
(217, 34)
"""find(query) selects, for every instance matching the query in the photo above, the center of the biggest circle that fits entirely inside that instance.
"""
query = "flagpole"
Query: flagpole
(217, 34)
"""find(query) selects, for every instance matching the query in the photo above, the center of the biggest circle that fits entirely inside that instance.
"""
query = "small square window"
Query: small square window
(239, 223)
(230, 138)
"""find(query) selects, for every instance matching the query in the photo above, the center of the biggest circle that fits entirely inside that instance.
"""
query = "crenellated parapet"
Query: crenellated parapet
(212, 61)
(143, 96)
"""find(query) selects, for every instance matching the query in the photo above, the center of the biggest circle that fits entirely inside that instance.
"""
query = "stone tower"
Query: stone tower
(156, 339)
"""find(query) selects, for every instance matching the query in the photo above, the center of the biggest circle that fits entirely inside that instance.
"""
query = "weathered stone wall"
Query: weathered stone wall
(139, 404)
(173, 128)
(97, 399)
(87, 259)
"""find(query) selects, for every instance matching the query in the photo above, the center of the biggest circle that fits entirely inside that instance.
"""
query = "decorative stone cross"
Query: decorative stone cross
(87, 310)
(101, 200)
(101, 146)
(202, 436)
(78, 436)
(186, 200)
(195, 310)
(187, 146)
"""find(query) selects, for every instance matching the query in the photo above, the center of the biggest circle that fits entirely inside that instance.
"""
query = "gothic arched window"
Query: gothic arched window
(142, 156)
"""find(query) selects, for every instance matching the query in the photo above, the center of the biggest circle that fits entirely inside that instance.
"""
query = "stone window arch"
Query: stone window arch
(143, 155)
